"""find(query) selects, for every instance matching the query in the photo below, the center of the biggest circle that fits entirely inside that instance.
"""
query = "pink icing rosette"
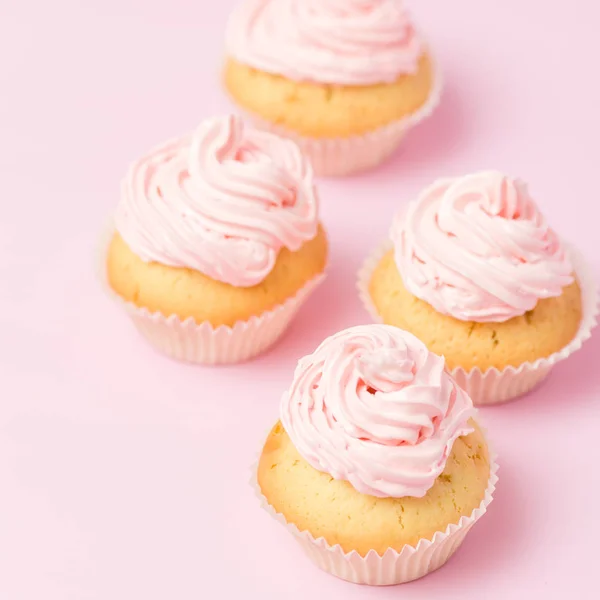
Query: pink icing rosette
(346, 42)
(375, 407)
(223, 201)
(478, 249)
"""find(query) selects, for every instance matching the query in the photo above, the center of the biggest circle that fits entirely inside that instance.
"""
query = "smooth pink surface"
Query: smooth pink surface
(124, 474)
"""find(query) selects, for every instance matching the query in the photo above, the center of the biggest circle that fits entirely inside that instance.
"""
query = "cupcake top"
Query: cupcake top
(346, 42)
(374, 407)
(478, 249)
(223, 200)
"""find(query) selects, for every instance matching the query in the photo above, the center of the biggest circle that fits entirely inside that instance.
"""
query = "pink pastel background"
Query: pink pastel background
(124, 474)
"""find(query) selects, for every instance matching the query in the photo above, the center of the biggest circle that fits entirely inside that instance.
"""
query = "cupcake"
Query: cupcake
(476, 273)
(216, 242)
(345, 79)
(377, 465)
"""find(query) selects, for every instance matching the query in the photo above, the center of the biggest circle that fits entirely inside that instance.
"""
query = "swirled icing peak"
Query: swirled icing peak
(223, 201)
(478, 249)
(347, 42)
(374, 407)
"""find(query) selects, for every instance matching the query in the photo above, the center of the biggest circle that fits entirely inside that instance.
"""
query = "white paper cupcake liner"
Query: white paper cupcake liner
(493, 386)
(393, 567)
(337, 157)
(201, 343)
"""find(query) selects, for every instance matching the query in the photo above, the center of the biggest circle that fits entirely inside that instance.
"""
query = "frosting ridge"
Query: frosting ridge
(478, 249)
(373, 406)
(223, 201)
(347, 42)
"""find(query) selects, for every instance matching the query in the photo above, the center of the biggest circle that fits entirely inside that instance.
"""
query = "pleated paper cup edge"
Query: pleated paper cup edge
(318, 146)
(407, 551)
(190, 323)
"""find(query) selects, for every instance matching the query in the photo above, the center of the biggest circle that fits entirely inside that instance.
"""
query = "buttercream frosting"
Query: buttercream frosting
(373, 406)
(478, 249)
(346, 42)
(223, 201)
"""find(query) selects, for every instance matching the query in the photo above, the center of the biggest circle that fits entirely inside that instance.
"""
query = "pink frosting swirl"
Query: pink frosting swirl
(347, 42)
(478, 249)
(223, 201)
(374, 407)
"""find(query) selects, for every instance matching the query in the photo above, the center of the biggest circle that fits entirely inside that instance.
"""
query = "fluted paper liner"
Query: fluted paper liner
(336, 157)
(493, 386)
(201, 343)
(393, 567)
